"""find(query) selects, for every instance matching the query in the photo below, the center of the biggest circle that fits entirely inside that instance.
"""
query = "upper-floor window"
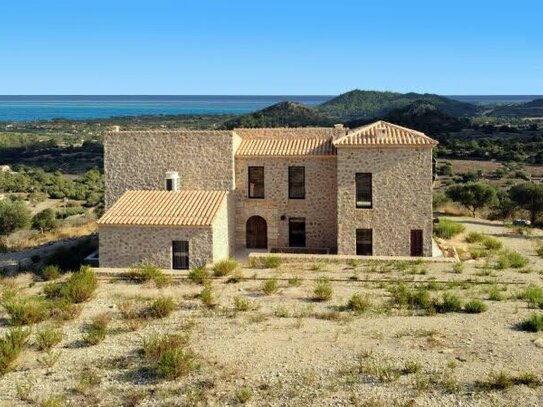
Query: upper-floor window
(363, 190)
(256, 182)
(296, 182)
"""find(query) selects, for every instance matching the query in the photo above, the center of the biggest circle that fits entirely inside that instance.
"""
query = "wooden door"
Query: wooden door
(416, 242)
(256, 233)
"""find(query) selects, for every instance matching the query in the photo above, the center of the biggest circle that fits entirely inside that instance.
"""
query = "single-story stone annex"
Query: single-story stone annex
(183, 198)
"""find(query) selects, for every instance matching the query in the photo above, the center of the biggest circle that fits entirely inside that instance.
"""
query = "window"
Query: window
(296, 182)
(416, 242)
(180, 255)
(169, 184)
(296, 232)
(363, 190)
(256, 182)
(364, 242)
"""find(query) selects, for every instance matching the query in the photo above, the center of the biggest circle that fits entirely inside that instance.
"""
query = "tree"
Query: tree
(14, 215)
(472, 195)
(529, 196)
(45, 220)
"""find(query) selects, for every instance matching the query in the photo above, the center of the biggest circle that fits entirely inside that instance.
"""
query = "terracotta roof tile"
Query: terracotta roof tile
(285, 147)
(382, 134)
(164, 208)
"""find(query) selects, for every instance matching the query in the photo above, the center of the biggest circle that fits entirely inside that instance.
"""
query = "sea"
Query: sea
(33, 108)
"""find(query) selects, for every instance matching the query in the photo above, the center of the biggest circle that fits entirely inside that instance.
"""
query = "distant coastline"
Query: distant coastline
(88, 107)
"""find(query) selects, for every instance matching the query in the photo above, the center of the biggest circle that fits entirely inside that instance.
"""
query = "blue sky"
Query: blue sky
(270, 46)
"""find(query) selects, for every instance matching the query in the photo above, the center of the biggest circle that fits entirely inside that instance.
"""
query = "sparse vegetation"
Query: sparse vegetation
(358, 303)
(207, 297)
(323, 290)
(270, 286)
(47, 338)
(169, 356)
(96, 331)
(147, 272)
(475, 307)
(161, 307)
(26, 311)
(199, 275)
(225, 267)
(11, 346)
(533, 324)
(447, 229)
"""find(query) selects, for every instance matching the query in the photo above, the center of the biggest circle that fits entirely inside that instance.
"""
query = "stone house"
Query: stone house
(184, 198)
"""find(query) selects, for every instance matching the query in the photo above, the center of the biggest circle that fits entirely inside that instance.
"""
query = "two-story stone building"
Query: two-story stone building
(183, 198)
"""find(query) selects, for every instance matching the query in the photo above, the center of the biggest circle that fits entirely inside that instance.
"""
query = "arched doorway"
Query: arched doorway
(256, 233)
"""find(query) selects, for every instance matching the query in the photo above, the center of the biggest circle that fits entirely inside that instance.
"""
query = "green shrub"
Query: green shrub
(270, 286)
(11, 346)
(199, 275)
(225, 267)
(322, 290)
(96, 331)
(533, 324)
(511, 259)
(244, 394)
(534, 295)
(155, 345)
(64, 310)
(474, 237)
(175, 363)
(358, 303)
(271, 262)
(207, 297)
(80, 286)
(25, 311)
(539, 249)
(403, 297)
(494, 293)
(450, 302)
(45, 220)
(458, 268)
(447, 229)
(492, 244)
(14, 215)
(529, 379)
(478, 252)
(147, 272)
(475, 307)
(241, 303)
(48, 337)
(51, 272)
(161, 307)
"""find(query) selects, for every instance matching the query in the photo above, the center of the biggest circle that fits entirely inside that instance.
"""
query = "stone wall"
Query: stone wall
(318, 207)
(122, 246)
(139, 160)
(402, 198)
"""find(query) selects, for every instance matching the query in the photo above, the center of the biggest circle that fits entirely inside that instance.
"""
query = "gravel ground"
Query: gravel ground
(293, 351)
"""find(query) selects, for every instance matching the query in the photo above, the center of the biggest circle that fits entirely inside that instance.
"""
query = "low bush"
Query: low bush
(458, 268)
(160, 308)
(322, 290)
(511, 259)
(447, 229)
(155, 345)
(96, 331)
(26, 311)
(224, 267)
(168, 355)
(403, 297)
(51, 272)
(475, 307)
(491, 243)
(48, 337)
(270, 286)
(207, 297)
(80, 286)
(450, 302)
(11, 346)
(64, 310)
(474, 237)
(533, 294)
(241, 303)
(478, 252)
(271, 262)
(244, 394)
(495, 294)
(533, 324)
(199, 275)
(147, 272)
(358, 303)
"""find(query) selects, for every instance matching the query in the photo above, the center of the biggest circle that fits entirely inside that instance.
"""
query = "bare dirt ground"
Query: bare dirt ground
(290, 350)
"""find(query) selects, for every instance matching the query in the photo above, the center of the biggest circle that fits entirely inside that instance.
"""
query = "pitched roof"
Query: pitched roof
(382, 134)
(164, 208)
(286, 147)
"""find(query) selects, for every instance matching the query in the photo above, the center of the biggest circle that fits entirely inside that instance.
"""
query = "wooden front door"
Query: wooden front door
(256, 233)
(416, 242)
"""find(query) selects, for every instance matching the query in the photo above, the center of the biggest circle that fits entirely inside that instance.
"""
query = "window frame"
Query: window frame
(357, 244)
(250, 168)
(291, 169)
(363, 204)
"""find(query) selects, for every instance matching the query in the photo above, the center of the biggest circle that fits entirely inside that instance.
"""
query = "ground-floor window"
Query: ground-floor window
(416, 242)
(364, 242)
(296, 232)
(180, 255)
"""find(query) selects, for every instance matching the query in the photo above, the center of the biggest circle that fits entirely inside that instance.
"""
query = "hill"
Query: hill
(364, 104)
(283, 114)
(530, 109)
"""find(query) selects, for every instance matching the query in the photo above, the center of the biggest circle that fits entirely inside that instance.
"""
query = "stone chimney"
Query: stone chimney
(116, 129)
(339, 130)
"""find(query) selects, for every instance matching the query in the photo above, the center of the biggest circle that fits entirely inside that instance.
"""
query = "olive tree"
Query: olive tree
(472, 195)
(528, 196)
(14, 215)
